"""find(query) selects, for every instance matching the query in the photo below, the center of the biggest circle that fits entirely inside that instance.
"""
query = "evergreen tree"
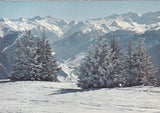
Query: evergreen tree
(29, 53)
(138, 57)
(130, 67)
(47, 69)
(149, 70)
(117, 61)
(18, 67)
(24, 61)
(145, 70)
(40, 50)
(34, 63)
(97, 66)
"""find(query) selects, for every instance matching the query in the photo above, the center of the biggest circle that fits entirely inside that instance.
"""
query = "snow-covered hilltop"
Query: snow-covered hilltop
(70, 40)
(48, 97)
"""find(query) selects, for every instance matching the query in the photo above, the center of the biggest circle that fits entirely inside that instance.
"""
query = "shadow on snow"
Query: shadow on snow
(65, 91)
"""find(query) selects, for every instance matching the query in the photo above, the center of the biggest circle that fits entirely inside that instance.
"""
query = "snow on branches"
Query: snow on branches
(107, 66)
(34, 60)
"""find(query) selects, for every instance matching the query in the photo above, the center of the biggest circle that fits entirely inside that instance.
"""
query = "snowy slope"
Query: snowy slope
(50, 97)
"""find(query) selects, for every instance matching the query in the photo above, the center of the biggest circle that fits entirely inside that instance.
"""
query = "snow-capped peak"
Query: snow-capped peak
(37, 18)
(22, 19)
(58, 28)
(131, 13)
(4, 19)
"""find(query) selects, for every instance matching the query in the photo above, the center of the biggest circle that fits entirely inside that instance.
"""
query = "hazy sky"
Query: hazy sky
(73, 10)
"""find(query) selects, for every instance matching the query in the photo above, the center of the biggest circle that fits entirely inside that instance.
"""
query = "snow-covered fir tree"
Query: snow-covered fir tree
(95, 71)
(25, 59)
(34, 61)
(117, 61)
(29, 51)
(130, 65)
(18, 67)
(47, 69)
(149, 70)
(144, 68)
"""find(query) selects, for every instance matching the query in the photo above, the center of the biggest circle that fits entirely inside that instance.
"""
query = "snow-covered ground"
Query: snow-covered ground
(62, 97)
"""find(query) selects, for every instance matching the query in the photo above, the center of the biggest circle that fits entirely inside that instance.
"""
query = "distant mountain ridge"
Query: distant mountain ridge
(59, 27)
(69, 39)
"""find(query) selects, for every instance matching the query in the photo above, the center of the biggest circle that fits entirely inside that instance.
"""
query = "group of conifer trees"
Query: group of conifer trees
(106, 66)
(34, 60)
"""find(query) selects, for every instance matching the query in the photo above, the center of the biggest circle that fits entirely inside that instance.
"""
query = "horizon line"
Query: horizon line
(79, 20)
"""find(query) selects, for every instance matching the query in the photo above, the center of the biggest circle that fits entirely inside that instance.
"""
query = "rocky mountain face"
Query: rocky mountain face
(70, 40)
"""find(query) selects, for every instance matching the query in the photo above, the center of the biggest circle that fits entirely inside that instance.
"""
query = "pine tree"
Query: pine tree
(149, 70)
(40, 50)
(18, 67)
(118, 62)
(145, 69)
(29, 53)
(130, 67)
(97, 66)
(34, 63)
(47, 69)
(24, 61)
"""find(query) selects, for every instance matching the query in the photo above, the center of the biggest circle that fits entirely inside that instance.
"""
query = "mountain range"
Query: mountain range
(70, 40)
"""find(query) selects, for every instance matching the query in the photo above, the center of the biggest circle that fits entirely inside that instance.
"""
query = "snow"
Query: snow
(62, 28)
(65, 97)
(70, 66)
(139, 28)
(88, 30)
(50, 27)
(23, 24)
(5, 49)
(1, 33)
(124, 24)
(53, 53)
